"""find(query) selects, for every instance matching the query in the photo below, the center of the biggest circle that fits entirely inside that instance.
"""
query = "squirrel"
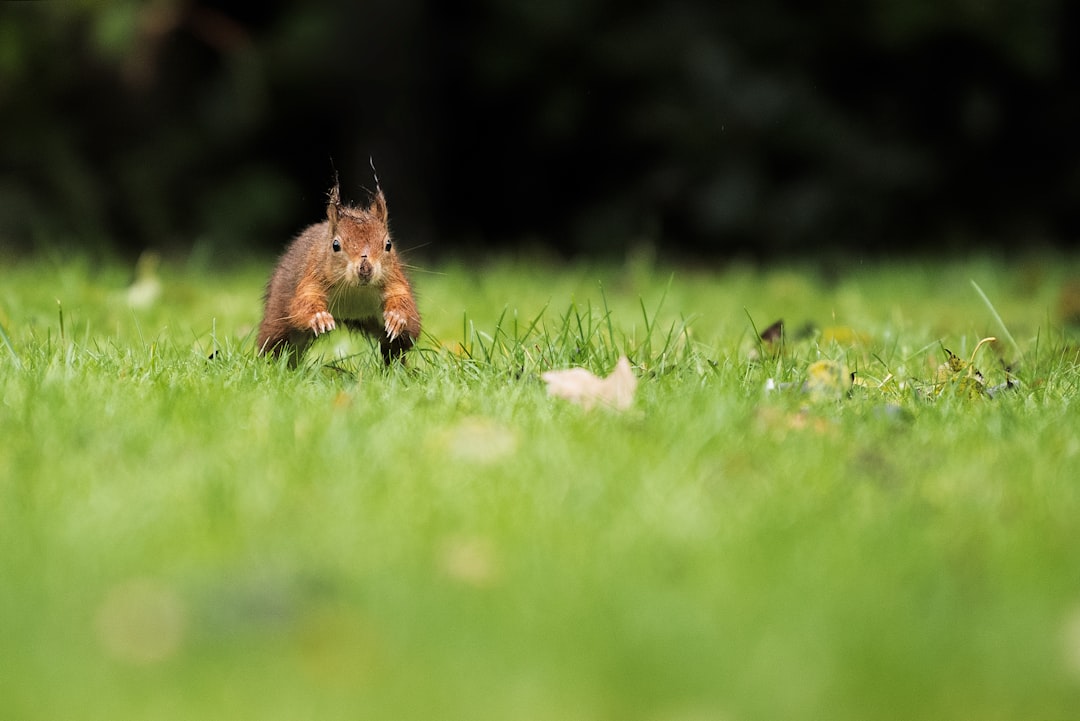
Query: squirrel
(342, 270)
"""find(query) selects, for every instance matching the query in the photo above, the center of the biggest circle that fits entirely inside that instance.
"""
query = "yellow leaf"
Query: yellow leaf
(961, 376)
(827, 380)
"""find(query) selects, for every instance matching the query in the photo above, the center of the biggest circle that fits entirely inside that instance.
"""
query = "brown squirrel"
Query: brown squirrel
(342, 270)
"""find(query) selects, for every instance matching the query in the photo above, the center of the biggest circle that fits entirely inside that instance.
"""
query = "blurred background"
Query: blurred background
(764, 129)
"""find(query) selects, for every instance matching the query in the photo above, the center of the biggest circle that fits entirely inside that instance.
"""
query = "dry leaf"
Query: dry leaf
(827, 380)
(774, 332)
(963, 378)
(587, 390)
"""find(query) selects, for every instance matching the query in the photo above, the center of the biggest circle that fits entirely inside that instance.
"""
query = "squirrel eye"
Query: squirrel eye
(336, 245)
(388, 245)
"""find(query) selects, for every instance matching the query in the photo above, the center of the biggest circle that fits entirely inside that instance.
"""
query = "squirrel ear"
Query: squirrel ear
(378, 205)
(334, 204)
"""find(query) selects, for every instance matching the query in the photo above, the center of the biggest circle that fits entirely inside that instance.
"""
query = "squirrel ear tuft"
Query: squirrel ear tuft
(378, 205)
(334, 203)
(378, 201)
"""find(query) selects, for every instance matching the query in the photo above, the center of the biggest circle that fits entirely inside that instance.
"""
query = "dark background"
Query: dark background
(766, 128)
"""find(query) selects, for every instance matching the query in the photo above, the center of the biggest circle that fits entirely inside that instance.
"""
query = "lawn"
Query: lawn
(761, 535)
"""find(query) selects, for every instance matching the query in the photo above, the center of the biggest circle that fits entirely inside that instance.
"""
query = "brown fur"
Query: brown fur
(362, 285)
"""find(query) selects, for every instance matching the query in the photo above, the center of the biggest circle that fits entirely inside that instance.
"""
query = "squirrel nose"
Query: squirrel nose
(364, 268)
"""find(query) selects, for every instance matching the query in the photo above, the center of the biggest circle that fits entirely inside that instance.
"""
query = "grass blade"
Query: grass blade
(997, 317)
(10, 347)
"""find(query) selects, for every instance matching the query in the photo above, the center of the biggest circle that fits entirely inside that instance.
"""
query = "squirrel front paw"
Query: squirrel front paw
(395, 323)
(322, 322)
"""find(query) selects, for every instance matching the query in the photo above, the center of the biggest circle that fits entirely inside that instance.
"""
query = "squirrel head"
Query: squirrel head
(358, 245)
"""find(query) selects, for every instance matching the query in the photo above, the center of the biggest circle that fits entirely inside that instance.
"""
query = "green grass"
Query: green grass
(187, 538)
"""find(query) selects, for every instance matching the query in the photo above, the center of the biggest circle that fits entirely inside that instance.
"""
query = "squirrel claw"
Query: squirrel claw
(322, 322)
(395, 324)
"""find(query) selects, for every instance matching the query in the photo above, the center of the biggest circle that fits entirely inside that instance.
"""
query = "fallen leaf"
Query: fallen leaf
(1008, 385)
(827, 380)
(953, 366)
(774, 332)
(578, 385)
(961, 377)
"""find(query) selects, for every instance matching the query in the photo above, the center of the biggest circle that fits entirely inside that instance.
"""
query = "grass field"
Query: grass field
(184, 538)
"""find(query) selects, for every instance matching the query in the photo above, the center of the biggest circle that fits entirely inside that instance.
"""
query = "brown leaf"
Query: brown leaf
(587, 390)
(774, 332)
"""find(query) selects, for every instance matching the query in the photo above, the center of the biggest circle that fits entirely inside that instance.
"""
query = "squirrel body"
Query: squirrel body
(342, 270)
